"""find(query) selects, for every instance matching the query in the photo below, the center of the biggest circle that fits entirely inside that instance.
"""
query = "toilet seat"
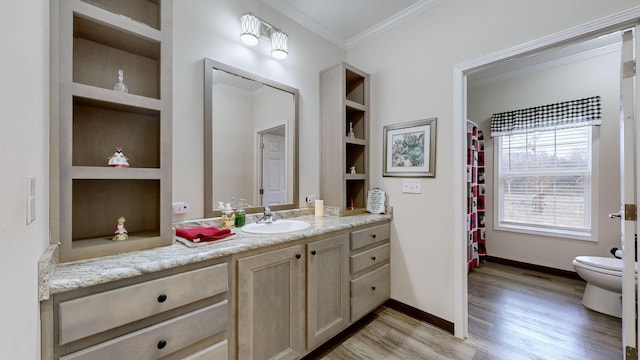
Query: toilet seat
(605, 265)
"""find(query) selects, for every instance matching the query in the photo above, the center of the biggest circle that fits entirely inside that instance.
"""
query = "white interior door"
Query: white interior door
(629, 186)
(273, 169)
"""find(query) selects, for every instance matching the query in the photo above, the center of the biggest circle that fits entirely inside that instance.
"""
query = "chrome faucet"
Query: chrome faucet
(267, 217)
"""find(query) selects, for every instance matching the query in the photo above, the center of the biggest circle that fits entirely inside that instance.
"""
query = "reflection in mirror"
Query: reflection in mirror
(250, 140)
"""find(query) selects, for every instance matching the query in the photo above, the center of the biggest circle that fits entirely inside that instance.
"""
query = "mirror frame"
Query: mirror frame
(209, 66)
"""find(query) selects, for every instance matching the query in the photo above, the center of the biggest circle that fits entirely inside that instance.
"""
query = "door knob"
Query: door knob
(615, 215)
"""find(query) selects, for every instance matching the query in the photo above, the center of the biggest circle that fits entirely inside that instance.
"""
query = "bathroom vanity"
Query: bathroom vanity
(251, 296)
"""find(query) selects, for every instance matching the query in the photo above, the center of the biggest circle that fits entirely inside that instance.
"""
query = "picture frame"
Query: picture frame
(410, 149)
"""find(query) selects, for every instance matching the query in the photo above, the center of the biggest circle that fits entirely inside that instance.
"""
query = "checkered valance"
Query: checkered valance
(574, 113)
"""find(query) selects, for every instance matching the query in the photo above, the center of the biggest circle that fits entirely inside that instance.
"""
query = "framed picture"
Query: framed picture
(410, 149)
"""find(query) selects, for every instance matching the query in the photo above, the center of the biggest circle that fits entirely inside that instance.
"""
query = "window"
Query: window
(543, 180)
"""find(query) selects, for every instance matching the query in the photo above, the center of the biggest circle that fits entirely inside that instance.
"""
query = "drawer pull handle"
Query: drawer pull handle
(162, 298)
(373, 258)
(298, 256)
(313, 252)
(373, 288)
(162, 344)
(373, 236)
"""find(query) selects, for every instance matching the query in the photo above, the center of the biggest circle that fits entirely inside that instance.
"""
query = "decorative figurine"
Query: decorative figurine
(351, 134)
(353, 170)
(121, 232)
(120, 86)
(118, 160)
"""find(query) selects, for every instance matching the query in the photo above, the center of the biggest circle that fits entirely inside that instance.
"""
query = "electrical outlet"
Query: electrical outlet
(180, 207)
(412, 186)
(311, 198)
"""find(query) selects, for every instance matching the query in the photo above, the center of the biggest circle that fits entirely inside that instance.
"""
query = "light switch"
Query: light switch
(412, 186)
(31, 199)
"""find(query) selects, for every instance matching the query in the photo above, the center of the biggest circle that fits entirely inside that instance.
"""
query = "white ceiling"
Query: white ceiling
(349, 22)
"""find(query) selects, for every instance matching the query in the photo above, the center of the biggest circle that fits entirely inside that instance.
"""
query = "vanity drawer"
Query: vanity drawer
(369, 258)
(161, 339)
(362, 238)
(89, 315)
(369, 291)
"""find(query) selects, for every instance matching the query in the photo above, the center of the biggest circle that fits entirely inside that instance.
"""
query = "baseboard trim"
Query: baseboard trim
(418, 314)
(345, 334)
(539, 268)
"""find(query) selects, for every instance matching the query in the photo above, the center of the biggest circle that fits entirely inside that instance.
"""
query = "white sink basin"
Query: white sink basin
(276, 227)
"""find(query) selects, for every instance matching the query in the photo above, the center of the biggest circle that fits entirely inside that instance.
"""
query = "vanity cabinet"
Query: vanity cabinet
(272, 288)
(271, 291)
(93, 39)
(177, 314)
(327, 288)
(340, 277)
(370, 269)
(344, 116)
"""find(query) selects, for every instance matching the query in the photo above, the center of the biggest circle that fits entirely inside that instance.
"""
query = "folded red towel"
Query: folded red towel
(204, 234)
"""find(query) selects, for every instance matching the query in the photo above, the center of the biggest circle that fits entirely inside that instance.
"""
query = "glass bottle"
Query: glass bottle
(120, 86)
(351, 134)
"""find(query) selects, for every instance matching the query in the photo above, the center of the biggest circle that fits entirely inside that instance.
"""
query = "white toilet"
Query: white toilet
(604, 283)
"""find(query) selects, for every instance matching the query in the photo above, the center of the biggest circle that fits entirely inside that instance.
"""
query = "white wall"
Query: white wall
(595, 76)
(210, 28)
(232, 149)
(412, 78)
(24, 140)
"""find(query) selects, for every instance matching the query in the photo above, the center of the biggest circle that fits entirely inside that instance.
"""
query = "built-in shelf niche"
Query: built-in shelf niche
(356, 191)
(355, 156)
(143, 11)
(97, 205)
(98, 127)
(96, 38)
(356, 118)
(355, 87)
(99, 51)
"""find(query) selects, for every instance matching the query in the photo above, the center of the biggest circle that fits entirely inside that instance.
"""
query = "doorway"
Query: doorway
(272, 166)
(461, 77)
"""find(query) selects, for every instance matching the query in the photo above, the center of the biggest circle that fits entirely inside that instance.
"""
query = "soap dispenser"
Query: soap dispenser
(240, 213)
(228, 217)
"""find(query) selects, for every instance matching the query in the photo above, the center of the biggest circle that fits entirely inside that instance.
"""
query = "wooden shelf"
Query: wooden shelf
(348, 177)
(141, 13)
(341, 113)
(355, 141)
(96, 38)
(354, 106)
(108, 173)
(91, 95)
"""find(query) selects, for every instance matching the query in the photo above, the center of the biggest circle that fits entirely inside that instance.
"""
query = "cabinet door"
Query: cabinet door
(327, 288)
(271, 304)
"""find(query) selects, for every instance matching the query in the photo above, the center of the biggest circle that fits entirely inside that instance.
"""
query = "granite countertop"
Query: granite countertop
(59, 278)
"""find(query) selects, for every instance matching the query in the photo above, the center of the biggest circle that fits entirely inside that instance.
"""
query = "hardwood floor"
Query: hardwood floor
(513, 314)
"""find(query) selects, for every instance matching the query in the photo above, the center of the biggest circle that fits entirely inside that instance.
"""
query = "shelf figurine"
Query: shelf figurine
(121, 232)
(120, 86)
(353, 170)
(118, 160)
(351, 134)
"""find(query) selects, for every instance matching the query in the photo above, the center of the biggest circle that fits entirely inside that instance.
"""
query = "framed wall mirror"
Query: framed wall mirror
(250, 140)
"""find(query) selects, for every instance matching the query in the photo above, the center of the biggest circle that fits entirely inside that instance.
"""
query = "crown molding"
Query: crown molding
(307, 22)
(393, 21)
(345, 44)
(545, 65)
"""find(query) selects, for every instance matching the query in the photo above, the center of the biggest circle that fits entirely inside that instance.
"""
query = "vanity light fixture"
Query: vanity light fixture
(254, 27)
(250, 29)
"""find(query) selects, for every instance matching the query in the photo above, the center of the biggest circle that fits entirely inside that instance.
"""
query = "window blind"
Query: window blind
(544, 179)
